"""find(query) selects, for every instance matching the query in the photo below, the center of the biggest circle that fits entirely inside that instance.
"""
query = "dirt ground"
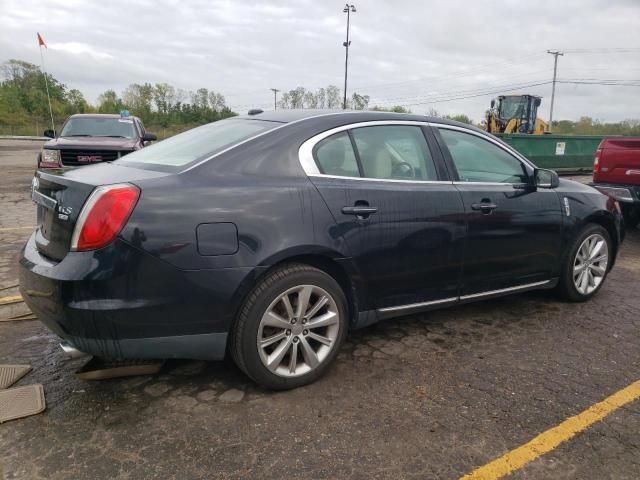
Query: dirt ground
(420, 397)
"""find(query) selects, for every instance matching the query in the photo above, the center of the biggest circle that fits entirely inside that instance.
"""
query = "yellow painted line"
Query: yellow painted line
(547, 441)
(9, 229)
(10, 300)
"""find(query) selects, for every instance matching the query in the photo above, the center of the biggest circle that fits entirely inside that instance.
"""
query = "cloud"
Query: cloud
(401, 53)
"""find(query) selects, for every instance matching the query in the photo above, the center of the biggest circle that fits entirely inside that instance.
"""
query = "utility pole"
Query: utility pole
(275, 98)
(553, 88)
(348, 9)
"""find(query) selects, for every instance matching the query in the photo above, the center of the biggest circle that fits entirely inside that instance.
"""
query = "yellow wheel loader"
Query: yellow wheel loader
(515, 114)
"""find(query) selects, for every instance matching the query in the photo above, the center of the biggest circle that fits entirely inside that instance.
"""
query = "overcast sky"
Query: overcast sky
(408, 53)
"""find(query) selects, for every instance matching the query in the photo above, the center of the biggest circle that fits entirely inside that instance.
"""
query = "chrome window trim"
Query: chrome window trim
(390, 180)
(504, 290)
(417, 305)
(493, 184)
(305, 152)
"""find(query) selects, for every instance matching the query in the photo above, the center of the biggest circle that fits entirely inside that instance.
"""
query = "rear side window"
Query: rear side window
(478, 160)
(334, 156)
(394, 152)
(197, 144)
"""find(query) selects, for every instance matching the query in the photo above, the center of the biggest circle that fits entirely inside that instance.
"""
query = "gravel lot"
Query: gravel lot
(426, 396)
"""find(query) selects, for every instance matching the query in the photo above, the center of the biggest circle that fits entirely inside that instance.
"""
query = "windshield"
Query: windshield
(511, 107)
(197, 144)
(99, 127)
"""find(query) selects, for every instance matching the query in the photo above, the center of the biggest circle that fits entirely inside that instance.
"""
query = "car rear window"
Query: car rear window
(184, 149)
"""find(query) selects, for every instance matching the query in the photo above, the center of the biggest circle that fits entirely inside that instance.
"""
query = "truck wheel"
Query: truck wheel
(290, 328)
(631, 214)
(585, 266)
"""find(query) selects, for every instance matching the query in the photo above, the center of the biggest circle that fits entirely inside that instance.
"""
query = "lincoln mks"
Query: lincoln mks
(272, 235)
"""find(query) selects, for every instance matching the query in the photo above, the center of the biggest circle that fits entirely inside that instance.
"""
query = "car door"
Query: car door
(401, 218)
(513, 229)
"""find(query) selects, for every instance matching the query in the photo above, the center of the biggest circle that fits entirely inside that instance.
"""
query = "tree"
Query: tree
(333, 97)
(395, 109)
(138, 98)
(109, 102)
(460, 118)
(76, 103)
(359, 102)
(164, 96)
(216, 102)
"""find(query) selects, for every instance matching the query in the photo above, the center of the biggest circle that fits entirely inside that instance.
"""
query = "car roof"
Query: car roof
(100, 115)
(350, 116)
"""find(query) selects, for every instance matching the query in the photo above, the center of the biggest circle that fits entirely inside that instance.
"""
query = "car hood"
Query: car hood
(107, 143)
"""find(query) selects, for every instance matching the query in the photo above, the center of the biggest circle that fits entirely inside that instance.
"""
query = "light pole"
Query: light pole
(348, 9)
(553, 88)
(275, 98)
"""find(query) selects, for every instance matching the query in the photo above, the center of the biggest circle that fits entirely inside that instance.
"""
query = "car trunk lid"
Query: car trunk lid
(60, 196)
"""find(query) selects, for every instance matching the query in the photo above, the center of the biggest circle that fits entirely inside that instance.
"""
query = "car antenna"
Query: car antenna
(255, 111)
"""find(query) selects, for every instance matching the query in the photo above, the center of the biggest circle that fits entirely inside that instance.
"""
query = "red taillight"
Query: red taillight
(103, 216)
(596, 161)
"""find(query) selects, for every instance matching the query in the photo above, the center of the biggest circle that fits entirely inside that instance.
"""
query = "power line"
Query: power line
(502, 90)
(446, 94)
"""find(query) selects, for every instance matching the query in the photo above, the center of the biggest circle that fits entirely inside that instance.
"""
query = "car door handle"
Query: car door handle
(484, 207)
(359, 210)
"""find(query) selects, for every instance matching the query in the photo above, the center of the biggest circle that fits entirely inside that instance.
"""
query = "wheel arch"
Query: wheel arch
(330, 262)
(606, 221)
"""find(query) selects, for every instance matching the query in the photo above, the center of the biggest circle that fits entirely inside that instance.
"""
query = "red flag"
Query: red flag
(41, 41)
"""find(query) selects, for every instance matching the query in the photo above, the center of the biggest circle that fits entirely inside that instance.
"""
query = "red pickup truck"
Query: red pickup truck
(616, 172)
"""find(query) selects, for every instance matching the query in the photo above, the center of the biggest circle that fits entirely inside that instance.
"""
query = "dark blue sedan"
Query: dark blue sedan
(272, 235)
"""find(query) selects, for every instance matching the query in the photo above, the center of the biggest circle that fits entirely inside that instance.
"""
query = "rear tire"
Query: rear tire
(290, 328)
(586, 264)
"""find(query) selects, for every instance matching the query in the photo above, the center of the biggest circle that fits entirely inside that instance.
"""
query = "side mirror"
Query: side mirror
(546, 178)
(537, 102)
(493, 103)
(149, 137)
(50, 133)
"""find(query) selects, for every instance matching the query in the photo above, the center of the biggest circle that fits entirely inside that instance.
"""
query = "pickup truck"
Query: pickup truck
(616, 172)
(93, 138)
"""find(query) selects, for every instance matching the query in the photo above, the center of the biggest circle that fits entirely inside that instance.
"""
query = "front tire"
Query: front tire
(290, 328)
(586, 264)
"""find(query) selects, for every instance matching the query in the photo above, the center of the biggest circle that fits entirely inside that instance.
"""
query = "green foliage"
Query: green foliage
(168, 110)
(460, 118)
(395, 109)
(330, 97)
(24, 108)
(589, 126)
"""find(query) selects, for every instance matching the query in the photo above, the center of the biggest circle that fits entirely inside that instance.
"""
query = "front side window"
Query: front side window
(334, 156)
(196, 144)
(478, 160)
(394, 152)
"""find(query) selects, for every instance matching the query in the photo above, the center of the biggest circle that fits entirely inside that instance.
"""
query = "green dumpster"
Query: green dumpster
(563, 153)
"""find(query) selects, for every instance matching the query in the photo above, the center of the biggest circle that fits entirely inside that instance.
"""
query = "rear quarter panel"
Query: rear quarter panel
(276, 209)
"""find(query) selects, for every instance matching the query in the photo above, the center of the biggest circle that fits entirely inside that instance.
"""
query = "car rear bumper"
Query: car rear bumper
(121, 302)
(622, 193)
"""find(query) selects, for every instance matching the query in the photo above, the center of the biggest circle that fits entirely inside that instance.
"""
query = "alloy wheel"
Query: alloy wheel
(298, 331)
(590, 264)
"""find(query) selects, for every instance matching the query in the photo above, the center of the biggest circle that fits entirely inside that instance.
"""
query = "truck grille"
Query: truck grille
(87, 157)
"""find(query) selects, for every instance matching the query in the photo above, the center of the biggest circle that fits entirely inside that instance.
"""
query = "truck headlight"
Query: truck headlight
(49, 158)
